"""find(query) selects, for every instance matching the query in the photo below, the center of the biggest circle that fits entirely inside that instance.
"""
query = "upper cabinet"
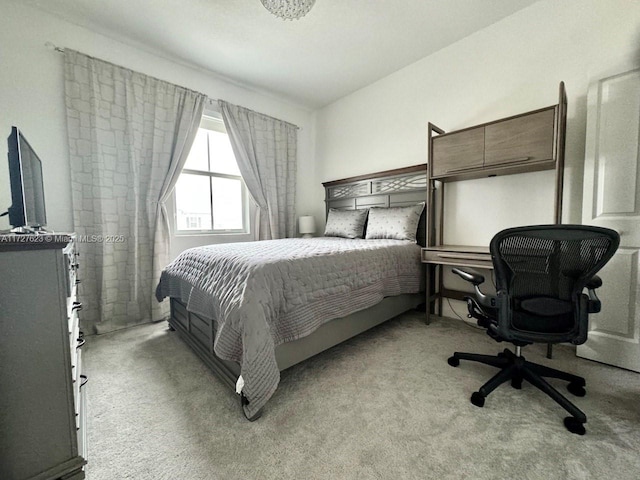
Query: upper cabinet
(524, 139)
(527, 142)
(523, 143)
(458, 152)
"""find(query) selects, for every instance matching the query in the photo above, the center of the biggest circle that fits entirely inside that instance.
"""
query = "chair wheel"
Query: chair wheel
(574, 425)
(516, 383)
(577, 390)
(453, 361)
(477, 399)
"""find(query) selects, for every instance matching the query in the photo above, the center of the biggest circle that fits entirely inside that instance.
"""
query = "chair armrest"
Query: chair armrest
(469, 275)
(594, 282)
(594, 302)
(593, 305)
(474, 277)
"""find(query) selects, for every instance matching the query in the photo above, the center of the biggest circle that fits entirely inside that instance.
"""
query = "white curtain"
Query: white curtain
(129, 135)
(265, 149)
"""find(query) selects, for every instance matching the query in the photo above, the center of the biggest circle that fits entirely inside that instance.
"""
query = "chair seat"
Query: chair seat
(544, 315)
(546, 306)
(526, 322)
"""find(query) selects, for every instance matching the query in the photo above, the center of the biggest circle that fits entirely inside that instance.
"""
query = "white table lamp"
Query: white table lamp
(307, 226)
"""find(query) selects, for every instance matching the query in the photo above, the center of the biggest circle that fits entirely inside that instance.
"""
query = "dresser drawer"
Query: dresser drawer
(71, 264)
(77, 380)
(201, 329)
(181, 314)
(71, 299)
(82, 423)
(74, 334)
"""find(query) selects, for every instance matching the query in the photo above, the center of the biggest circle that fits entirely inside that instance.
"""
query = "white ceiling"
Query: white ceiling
(339, 47)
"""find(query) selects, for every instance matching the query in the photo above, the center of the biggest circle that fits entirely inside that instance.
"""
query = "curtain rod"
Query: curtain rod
(210, 101)
(268, 116)
(53, 46)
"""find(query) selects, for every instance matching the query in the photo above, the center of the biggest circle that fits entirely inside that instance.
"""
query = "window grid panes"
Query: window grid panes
(210, 194)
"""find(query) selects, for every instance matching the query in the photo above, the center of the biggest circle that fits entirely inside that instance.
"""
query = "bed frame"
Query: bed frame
(391, 188)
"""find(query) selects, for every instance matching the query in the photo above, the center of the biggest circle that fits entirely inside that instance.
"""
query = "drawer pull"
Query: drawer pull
(76, 306)
(84, 379)
(510, 160)
(462, 169)
(81, 342)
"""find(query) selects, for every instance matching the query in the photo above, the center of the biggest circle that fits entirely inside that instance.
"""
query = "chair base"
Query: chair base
(515, 368)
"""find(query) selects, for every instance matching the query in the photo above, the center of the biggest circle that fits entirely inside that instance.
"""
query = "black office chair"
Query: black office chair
(540, 273)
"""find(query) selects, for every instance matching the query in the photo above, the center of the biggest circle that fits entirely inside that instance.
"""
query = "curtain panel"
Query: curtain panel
(129, 135)
(266, 151)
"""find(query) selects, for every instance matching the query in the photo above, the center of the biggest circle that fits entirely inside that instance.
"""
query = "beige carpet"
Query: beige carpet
(385, 405)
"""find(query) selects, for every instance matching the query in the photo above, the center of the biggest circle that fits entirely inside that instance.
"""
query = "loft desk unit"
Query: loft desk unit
(529, 142)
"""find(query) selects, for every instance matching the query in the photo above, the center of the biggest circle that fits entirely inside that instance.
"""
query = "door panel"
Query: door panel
(611, 199)
(527, 138)
(617, 146)
(618, 300)
(458, 151)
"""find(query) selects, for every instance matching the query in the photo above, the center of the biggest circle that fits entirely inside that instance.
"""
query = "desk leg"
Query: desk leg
(440, 287)
(427, 294)
(430, 292)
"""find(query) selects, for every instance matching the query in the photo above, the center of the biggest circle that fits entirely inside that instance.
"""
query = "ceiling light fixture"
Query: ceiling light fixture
(288, 9)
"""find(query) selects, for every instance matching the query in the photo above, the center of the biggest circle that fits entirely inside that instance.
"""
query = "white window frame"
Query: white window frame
(213, 121)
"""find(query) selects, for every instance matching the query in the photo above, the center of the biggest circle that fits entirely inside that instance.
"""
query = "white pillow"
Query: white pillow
(400, 223)
(345, 223)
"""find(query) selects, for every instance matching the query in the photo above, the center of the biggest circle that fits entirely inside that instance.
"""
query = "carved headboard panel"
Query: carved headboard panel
(391, 188)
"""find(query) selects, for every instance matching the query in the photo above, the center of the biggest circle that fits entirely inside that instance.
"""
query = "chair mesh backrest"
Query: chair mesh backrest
(541, 272)
(550, 260)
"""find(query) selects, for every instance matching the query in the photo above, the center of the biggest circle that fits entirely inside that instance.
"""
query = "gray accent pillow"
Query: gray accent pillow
(400, 223)
(345, 223)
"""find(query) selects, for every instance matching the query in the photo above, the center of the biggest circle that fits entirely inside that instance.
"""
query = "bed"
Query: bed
(250, 310)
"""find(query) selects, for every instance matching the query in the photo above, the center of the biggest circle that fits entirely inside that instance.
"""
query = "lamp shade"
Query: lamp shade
(306, 225)
(288, 9)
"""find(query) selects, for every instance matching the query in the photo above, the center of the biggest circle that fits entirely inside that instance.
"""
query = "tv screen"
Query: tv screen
(27, 188)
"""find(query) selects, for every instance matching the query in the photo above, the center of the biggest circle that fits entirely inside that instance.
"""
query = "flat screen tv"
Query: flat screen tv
(27, 189)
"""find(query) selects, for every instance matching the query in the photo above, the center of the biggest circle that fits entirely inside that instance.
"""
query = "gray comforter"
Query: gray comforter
(262, 294)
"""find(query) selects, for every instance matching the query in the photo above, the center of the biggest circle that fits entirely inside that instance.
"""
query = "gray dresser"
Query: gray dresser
(42, 394)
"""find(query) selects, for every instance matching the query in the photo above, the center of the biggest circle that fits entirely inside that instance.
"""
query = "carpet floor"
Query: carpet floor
(384, 405)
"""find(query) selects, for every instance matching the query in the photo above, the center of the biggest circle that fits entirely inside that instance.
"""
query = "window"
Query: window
(210, 194)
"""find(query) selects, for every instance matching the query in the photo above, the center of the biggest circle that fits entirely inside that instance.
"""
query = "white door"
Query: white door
(612, 199)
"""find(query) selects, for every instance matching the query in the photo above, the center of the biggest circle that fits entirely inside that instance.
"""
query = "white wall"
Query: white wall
(32, 98)
(508, 68)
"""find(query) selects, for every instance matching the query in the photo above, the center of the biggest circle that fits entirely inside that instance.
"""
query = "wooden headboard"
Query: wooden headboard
(392, 188)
